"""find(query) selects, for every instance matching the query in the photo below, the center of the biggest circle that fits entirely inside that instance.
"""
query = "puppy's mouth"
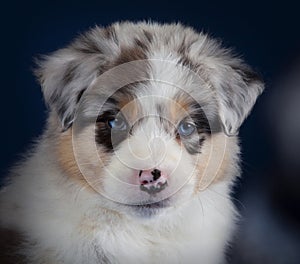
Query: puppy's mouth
(153, 205)
(151, 208)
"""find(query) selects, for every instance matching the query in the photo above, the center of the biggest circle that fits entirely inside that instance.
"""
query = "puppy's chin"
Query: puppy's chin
(150, 209)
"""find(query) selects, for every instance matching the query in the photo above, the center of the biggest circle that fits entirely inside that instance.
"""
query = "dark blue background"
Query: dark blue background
(265, 32)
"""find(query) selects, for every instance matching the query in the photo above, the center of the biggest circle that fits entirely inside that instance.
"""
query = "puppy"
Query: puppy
(139, 153)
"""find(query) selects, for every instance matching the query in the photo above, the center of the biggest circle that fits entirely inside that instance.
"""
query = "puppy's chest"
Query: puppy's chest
(143, 245)
(132, 242)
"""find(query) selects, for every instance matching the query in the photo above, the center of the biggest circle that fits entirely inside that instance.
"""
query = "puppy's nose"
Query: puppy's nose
(152, 181)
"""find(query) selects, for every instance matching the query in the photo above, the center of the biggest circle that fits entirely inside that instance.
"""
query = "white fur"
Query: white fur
(70, 224)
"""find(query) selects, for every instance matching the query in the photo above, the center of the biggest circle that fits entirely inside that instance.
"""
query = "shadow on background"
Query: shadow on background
(270, 229)
(268, 36)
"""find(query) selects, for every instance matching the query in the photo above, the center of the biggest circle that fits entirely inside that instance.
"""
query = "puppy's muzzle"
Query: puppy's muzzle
(153, 181)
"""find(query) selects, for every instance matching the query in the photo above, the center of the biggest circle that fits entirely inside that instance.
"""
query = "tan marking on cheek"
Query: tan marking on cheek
(130, 110)
(66, 156)
(184, 104)
(68, 162)
(216, 161)
(177, 111)
(124, 100)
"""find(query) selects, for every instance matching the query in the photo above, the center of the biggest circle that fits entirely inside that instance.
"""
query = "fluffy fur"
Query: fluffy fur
(76, 198)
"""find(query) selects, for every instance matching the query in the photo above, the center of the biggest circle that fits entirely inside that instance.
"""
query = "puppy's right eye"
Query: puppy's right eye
(114, 121)
(111, 129)
(117, 123)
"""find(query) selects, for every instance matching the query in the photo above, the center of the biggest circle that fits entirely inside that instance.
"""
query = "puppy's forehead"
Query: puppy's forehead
(169, 91)
(152, 102)
(161, 78)
(154, 63)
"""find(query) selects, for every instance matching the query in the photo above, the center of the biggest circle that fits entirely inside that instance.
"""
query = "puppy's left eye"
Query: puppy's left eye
(117, 123)
(186, 128)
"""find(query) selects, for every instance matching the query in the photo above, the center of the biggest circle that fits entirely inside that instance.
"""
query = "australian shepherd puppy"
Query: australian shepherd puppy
(139, 153)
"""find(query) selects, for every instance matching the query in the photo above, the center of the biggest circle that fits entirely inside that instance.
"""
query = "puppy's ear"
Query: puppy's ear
(237, 88)
(64, 76)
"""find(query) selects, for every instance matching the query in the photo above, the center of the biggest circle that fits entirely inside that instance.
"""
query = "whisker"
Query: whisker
(232, 198)
(202, 210)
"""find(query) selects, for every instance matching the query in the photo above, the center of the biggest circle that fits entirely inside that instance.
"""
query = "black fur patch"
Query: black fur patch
(140, 44)
(148, 36)
(106, 136)
(87, 45)
(186, 61)
(130, 54)
(69, 74)
(10, 243)
(79, 95)
(110, 33)
(183, 51)
(248, 75)
(198, 116)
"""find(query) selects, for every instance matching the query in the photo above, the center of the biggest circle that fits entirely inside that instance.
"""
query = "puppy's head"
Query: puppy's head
(147, 114)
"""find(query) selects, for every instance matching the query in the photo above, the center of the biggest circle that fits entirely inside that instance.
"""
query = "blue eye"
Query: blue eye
(117, 123)
(186, 128)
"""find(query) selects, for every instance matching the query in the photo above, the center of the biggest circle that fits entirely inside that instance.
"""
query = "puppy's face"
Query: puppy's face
(148, 113)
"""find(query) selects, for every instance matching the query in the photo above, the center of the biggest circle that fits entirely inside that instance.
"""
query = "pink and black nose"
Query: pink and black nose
(152, 181)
